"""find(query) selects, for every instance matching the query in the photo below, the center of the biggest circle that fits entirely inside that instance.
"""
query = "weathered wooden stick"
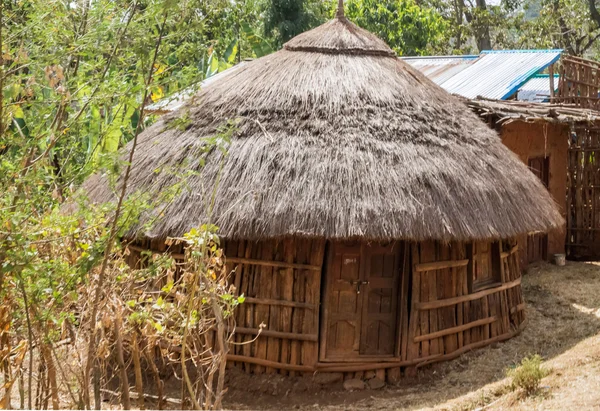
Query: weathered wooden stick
(121, 361)
(284, 303)
(267, 363)
(149, 396)
(472, 346)
(138, 370)
(455, 300)
(456, 329)
(519, 307)
(268, 263)
(440, 265)
(275, 334)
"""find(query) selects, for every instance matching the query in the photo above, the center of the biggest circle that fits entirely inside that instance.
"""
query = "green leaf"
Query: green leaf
(167, 288)
(231, 52)
(213, 65)
(110, 143)
(260, 47)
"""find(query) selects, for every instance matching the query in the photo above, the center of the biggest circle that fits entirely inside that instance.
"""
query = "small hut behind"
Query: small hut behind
(369, 215)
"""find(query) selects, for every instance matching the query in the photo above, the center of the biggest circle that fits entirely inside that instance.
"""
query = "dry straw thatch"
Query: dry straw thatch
(337, 138)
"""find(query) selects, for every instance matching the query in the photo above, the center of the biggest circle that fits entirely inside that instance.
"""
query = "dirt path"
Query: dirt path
(563, 311)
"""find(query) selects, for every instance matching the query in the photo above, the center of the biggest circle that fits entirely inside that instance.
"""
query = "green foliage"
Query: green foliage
(404, 25)
(565, 24)
(528, 375)
(285, 19)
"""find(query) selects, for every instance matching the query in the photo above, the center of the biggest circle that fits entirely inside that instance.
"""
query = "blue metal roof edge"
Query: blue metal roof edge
(543, 75)
(465, 57)
(522, 51)
(525, 78)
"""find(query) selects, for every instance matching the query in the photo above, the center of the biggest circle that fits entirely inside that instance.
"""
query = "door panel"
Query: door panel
(382, 269)
(343, 302)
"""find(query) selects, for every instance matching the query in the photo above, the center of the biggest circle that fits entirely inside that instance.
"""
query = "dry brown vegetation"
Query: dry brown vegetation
(563, 311)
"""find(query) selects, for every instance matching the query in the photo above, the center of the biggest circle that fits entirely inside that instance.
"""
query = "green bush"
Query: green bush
(528, 375)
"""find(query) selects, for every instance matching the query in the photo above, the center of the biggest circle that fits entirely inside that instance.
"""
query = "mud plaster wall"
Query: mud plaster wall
(531, 140)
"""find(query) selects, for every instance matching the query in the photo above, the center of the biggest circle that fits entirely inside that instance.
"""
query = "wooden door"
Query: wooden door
(343, 304)
(382, 269)
(537, 244)
(360, 302)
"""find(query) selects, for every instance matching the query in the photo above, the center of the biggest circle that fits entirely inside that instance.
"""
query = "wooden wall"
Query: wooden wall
(447, 318)
(546, 140)
(441, 314)
(284, 295)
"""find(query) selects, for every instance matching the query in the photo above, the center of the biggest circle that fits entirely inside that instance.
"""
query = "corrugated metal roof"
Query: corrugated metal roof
(177, 100)
(493, 74)
(537, 88)
(440, 69)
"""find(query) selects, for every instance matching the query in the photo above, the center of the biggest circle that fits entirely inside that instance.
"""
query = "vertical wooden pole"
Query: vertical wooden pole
(551, 76)
(413, 351)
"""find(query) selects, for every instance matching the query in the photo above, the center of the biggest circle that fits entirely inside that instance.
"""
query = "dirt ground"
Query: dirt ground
(563, 311)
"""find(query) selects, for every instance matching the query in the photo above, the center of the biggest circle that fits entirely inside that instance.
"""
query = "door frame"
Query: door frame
(400, 309)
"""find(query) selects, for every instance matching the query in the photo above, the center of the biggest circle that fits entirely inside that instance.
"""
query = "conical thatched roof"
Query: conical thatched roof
(336, 138)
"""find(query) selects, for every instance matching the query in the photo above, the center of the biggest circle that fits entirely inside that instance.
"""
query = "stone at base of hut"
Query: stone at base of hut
(376, 383)
(328, 378)
(354, 384)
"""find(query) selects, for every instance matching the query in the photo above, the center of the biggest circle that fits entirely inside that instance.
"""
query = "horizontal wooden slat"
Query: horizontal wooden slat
(511, 251)
(455, 330)
(266, 263)
(518, 308)
(239, 260)
(277, 334)
(470, 297)
(267, 363)
(440, 265)
(472, 346)
(375, 365)
(283, 303)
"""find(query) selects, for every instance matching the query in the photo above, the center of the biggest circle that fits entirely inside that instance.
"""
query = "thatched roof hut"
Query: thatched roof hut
(348, 166)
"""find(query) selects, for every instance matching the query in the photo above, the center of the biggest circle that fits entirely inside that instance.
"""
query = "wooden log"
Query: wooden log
(429, 254)
(513, 250)
(370, 366)
(264, 291)
(551, 77)
(265, 363)
(448, 314)
(485, 312)
(403, 306)
(457, 329)
(459, 274)
(440, 265)
(471, 297)
(248, 313)
(298, 314)
(276, 334)
(241, 284)
(310, 352)
(414, 322)
(393, 375)
(287, 287)
(269, 263)
(254, 288)
(274, 344)
(519, 307)
(472, 346)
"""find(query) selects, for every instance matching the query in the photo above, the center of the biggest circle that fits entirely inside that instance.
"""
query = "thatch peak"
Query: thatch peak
(339, 36)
